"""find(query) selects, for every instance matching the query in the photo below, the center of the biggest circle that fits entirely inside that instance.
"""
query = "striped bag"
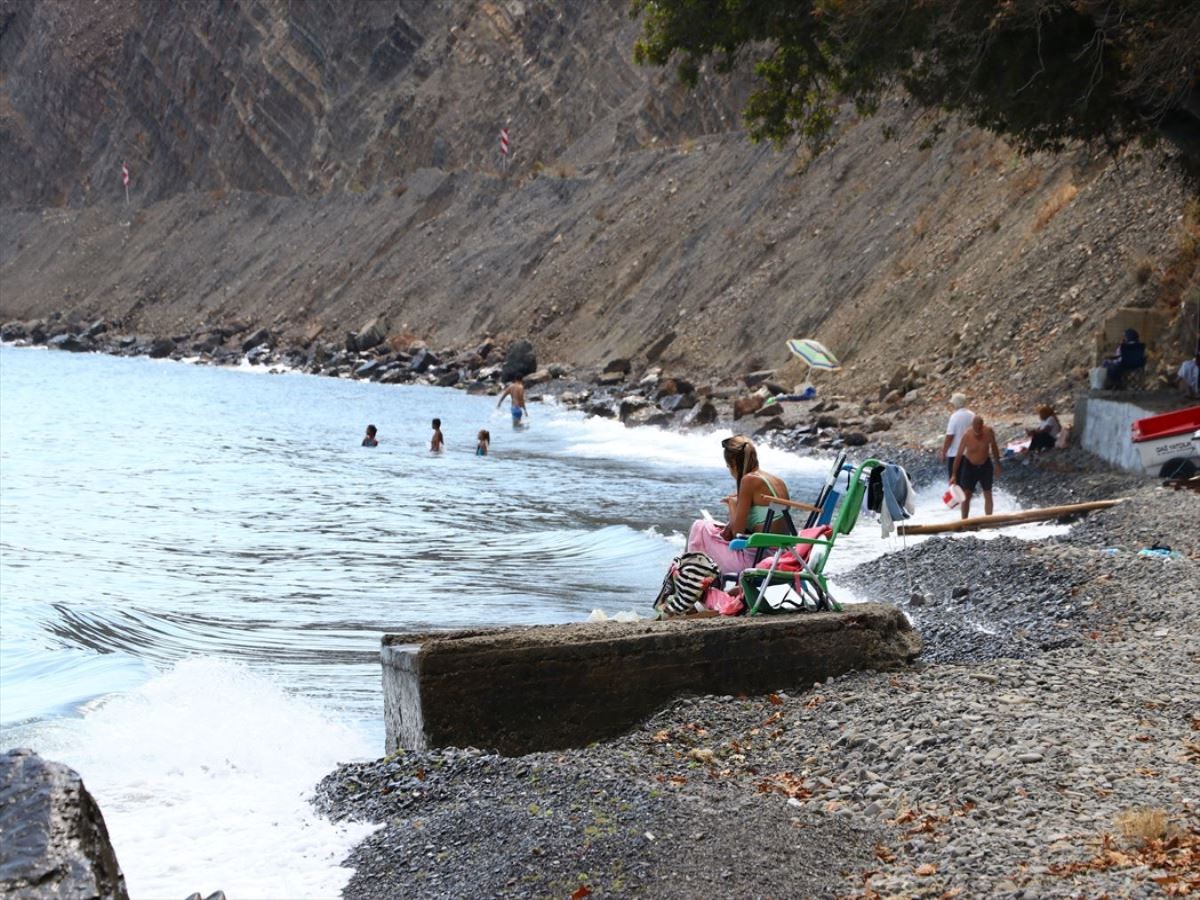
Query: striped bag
(683, 587)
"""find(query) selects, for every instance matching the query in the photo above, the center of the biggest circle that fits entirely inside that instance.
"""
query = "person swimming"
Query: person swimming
(369, 439)
(436, 442)
(484, 441)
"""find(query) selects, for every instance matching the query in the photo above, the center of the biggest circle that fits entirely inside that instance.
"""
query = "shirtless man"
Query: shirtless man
(515, 391)
(973, 465)
(437, 441)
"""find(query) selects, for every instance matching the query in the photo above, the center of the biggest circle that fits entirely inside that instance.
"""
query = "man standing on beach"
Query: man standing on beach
(973, 465)
(960, 421)
(516, 392)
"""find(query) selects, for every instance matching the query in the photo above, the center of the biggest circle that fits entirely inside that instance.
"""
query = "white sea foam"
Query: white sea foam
(203, 774)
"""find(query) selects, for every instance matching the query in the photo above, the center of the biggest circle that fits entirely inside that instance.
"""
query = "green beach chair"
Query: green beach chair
(810, 583)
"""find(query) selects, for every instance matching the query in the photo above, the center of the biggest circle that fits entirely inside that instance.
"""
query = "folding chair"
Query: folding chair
(809, 582)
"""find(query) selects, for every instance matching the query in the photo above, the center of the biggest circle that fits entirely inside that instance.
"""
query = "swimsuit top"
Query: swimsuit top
(758, 514)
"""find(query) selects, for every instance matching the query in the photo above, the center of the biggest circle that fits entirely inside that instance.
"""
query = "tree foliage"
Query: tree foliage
(1040, 72)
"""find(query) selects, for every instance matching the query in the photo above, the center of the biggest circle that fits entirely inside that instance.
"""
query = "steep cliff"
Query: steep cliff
(309, 166)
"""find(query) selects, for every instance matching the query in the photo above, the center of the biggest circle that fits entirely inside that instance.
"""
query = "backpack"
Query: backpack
(690, 575)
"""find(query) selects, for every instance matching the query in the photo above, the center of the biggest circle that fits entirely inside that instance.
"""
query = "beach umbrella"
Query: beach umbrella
(816, 354)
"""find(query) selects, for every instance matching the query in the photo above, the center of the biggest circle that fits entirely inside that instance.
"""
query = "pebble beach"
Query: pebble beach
(1047, 743)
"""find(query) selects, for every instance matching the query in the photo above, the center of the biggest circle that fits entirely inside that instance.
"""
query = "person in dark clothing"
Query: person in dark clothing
(1130, 356)
(369, 439)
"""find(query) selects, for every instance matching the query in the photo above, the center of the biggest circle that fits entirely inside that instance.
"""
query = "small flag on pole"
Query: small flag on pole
(504, 142)
(125, 174)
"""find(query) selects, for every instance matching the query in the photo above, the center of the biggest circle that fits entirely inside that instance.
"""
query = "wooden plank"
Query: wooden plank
(1002, 519)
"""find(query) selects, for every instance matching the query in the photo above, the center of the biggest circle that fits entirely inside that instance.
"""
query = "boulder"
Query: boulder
(13, 331)
(368, 369)
(372, 334)
(677, 402)
(610, 378)
(422, 360)
(853, 438)
(261, 336)
(541, 376)
(600, 408)
(744, 406)
(259, 355)
(161, 347)
(519, 361)
(37, 332)
(558, 370)
(703, 413)
(55, 843)
(69, 342)
(448, 379)
(97, 328)
(618, 365)
(879, 423)
(774, 424)
(754, 379)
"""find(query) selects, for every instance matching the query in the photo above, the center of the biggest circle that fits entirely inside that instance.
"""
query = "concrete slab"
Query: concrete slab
(517, 690)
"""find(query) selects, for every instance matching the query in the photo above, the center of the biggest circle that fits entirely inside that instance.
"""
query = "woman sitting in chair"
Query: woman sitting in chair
(748, 507)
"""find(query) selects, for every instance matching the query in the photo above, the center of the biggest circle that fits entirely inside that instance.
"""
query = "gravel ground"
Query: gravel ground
(1056, 703)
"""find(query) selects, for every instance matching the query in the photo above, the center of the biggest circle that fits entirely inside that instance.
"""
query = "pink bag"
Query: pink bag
(726, 604)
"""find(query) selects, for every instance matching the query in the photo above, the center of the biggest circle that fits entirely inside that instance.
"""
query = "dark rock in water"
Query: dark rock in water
(618, 365)
(261, 336)
(775, 424)
(854, 438)
(55, 843)
(960, 593)
(916, 599)
(367, 369)
(37, 333)
(258, 355)
(161, 347)
(677, 402)
(13, 331)
(423, 360)
(207, 344)
(126, 340)
(701, 414)
(659, 420)
(603, 409)
(631, 405)
(69, 342)
(448, 379)
(519, 361)
(96, 329)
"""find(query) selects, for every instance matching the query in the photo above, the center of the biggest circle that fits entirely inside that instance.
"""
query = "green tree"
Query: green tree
(1040, 72)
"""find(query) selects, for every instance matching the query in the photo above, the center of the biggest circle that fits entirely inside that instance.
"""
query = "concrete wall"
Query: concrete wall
(1104, 429)
(518, 690)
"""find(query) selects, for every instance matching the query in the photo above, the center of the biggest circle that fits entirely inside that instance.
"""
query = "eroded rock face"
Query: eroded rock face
(53, 841)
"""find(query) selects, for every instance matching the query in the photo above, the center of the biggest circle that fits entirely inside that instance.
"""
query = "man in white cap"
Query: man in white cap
(960, 421)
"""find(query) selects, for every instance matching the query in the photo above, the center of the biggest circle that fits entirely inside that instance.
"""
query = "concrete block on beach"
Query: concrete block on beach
(517, 690)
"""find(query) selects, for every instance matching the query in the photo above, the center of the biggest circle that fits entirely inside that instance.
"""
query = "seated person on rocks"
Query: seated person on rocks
(1130, 356)
(1189, 376)
(1045, 436)
(755, 489)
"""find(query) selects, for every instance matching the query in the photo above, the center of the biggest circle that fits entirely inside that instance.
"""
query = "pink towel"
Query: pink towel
(706, 537)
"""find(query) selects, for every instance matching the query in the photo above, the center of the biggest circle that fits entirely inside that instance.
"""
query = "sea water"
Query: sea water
(197, 563)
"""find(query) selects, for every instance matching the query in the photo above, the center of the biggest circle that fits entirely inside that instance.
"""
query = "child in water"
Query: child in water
(369, 440)
(435, 445)
(481, 448)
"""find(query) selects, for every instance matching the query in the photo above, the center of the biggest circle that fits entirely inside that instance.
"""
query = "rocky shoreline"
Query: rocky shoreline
(1047, 745)
(652, 396)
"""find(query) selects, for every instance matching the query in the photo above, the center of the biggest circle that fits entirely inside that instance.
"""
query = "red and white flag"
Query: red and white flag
(125, 174)
(504, 141)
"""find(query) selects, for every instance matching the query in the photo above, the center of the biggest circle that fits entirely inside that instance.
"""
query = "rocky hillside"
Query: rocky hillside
(312, 166)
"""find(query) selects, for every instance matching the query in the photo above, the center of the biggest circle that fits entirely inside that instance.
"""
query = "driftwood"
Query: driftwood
(1003, 519)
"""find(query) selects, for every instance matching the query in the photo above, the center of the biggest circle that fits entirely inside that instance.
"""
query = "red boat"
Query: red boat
(1168, 438)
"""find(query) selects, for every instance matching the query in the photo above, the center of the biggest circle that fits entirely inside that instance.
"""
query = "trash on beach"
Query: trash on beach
(1110, 551)
(625, 615)
(1157, 552)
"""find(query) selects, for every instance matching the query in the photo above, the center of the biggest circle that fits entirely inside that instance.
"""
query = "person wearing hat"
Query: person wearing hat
(1130, 356)
(960, 421)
